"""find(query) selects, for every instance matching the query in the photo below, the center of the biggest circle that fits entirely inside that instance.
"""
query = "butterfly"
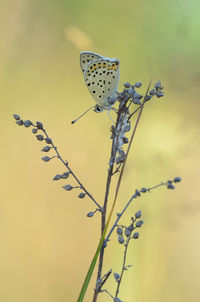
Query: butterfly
(101, 76)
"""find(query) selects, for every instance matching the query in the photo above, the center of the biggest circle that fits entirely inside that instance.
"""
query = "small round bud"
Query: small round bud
(57, 177)
(120, 239)
(16, 117)
(143, 190)
(159, 94)
(112, 100)
(138, 84)
(27, 123)
(147, 98)
(158, 85)
(139, 223)
(39, 125)
(169, 181)
(138, 214)
(117, 277)
(131, 228)
(65, 175)
(127, 232)
(136, 235)
(40, 137)
(46, 158)
(177, 179)
(20, 122)
(34, 130)
(127, 85)
(48, 140)
(90, 214)
(131, 92)
(170, 186)
(152, 91)
(119, 231)
(68, 187)
(46, 149)
(81, 195)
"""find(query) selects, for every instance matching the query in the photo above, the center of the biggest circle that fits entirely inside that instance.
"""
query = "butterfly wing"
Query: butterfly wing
(86, 57)
(102, 78)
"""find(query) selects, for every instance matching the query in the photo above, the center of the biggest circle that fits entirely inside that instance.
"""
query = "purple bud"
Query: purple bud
(16, 117)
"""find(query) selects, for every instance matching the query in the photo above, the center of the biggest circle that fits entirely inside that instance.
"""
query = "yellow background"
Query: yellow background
(47, 242)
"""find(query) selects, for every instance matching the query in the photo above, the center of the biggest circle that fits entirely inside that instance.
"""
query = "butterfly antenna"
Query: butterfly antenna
(82, 115)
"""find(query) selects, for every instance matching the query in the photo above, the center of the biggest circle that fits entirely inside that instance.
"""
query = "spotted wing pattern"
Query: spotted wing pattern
(102, 77)
(86, 57)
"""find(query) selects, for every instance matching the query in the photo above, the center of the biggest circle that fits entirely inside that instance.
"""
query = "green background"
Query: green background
(47, 242)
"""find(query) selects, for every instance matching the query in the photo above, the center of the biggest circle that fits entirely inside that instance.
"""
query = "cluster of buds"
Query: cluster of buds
(41, 135)
(130, 93)
(126, 233)
(120, 139)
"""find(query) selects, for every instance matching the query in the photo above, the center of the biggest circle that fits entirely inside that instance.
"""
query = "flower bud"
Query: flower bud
(127, 85)
(152, 91)
(136, 235)
(138, 84)
(34, 130)
(16, 117)
(120, 239)
(119, 231)
(48, 140)
(177, 179)
(46, 149)
(57, 177)
(159, 94)
(158, 85)
(90, 214)
(127, 232)
(138, 214)
(39, 125)
(40, 137)
(81, 195)
(68, 187)
(46, 158)
(139, 223)
(65, 175)
(27, 123)
(170, 186)
(117, 277)
(20, 122)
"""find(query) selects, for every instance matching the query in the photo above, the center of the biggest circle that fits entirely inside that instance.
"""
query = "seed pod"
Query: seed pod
(120, 239)
(46, 149)
(81, 195)
(119, 231)
(39, 125)
(68, 187)
(16, 117)
(136, 235)
(46, 158)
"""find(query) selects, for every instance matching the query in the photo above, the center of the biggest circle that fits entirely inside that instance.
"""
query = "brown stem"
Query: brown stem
(103, 215)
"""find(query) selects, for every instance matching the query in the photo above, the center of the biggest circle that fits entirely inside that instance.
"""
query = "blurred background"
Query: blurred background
(47, 242)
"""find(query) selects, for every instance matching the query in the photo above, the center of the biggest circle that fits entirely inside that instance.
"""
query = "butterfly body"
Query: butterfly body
(101, 75)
